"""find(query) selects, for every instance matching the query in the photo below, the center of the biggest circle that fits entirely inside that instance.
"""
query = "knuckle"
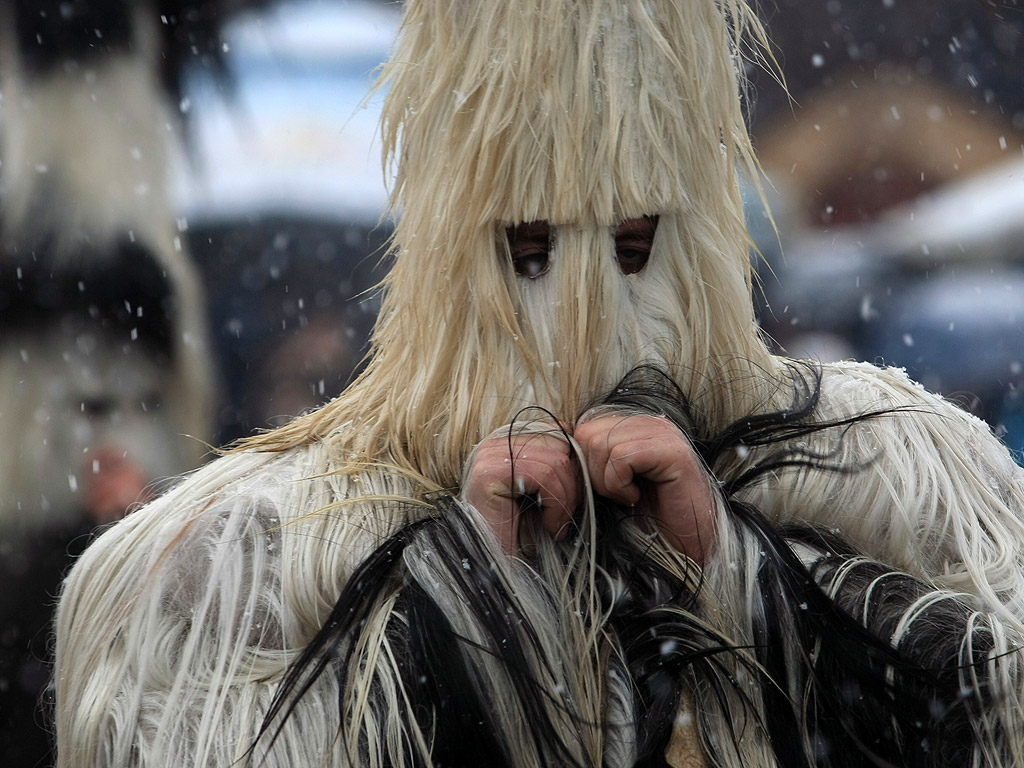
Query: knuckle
(561, 463)
(547, 479)
(490, 479)
(620, 452)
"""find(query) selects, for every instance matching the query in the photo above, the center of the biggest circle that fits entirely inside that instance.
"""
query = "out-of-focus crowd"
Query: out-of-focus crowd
(139, 326)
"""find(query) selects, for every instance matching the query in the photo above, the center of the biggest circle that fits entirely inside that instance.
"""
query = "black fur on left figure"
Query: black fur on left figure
(52, 33)
(126, 289)
(447, 652)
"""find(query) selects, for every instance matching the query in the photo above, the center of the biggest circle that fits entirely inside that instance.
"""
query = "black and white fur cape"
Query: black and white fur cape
(797, 651)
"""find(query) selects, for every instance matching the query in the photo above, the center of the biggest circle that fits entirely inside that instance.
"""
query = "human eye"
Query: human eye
(529, 246)
(633, 241)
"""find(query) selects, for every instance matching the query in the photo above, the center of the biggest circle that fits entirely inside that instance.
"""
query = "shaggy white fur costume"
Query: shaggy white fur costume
(177, 627)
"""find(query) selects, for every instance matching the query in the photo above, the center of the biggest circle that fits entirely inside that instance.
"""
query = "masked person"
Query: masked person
(449, 564)
(106, 381)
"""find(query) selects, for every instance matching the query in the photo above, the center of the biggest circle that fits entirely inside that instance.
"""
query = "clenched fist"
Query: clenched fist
(527, 469)
(634, 457)
(629, 459)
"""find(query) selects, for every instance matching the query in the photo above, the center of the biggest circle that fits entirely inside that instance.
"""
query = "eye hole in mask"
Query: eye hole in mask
(633, 241)
(529, 245)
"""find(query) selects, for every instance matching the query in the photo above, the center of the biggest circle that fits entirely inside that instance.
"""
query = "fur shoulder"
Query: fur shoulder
(910, 479)
(216, 586)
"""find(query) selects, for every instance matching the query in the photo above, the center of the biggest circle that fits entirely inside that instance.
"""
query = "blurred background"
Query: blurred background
(191, 200)
(191, 228)
(283, 193)
(895, 173)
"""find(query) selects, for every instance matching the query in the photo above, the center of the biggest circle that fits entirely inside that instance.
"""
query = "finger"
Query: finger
(502, 516)
(657, 458)
(552, 489)
(682, 501)
(686, 517)
(535, 467)
(598, 439)
(622, 449)
(557, 511)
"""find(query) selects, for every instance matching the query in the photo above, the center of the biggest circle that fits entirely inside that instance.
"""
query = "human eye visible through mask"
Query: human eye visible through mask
(634, 239)
(529, 245)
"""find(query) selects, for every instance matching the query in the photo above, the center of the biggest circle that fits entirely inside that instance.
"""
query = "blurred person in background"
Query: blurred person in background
(284, 196)
(887, 101)
(106, 357)
(106, 381)
(292, 304)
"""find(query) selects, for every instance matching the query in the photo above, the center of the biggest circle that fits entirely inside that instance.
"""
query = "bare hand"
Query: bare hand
(622, 450)
(539, 470)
